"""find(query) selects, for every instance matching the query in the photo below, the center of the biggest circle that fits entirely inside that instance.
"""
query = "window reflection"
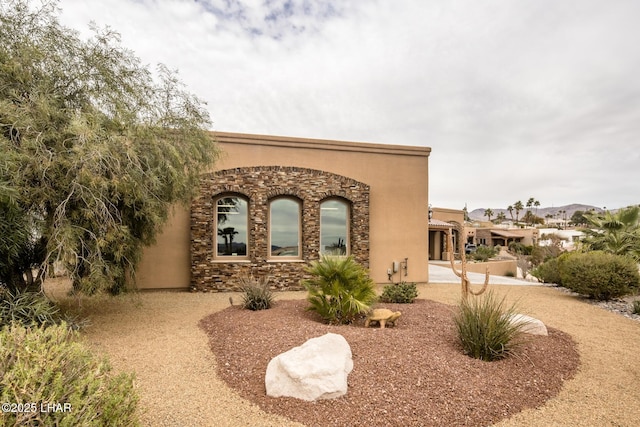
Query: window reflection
(231, 224)
(285, 228)
(334, 227)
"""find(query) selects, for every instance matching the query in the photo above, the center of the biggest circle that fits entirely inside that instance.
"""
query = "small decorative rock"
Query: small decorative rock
(383, 316)
(317, 369)
(531, 325)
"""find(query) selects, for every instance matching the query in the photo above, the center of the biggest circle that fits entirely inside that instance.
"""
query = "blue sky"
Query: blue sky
(517, 99)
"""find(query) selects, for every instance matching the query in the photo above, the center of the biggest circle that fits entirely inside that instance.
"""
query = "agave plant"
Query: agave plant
(340, 289)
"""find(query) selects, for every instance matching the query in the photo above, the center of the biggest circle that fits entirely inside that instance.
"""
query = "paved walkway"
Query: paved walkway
(444, 274)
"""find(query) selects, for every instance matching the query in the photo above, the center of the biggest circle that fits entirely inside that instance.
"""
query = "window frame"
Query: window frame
(347, 242)
(230, 258)
(270, 256)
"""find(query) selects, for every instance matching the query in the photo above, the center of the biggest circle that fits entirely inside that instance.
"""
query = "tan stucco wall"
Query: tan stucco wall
(397, 176)
(448, 215)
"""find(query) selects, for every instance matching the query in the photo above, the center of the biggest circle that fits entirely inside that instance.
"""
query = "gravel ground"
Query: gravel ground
(411, 375)
(158, 336)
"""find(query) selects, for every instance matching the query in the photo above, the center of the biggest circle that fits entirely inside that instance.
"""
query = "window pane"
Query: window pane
(333, 228)
(285, 228)
(232, 217)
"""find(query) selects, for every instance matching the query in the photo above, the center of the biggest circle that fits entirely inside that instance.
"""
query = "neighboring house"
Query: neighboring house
(274, 204)
(495, 236)
(442, 223)
(568, 238)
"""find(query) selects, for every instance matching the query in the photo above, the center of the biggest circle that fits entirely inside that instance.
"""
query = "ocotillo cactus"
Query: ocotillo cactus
(466, 283)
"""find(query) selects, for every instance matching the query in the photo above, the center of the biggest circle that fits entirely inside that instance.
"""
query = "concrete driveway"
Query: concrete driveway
(444, 274)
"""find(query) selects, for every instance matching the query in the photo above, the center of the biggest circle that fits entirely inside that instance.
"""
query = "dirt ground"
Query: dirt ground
(157, 336)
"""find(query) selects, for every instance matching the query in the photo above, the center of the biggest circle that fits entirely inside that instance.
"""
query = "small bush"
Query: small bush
(402, 293)
(520, 248)
(257, 295)
(30, 308)
(600, 275)
(636, 307)
(549, 271)
(484, 328)
(339, 290)
(48, 366)
(483, 253)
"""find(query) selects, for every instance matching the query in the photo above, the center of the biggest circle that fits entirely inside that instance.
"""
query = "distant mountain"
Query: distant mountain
(478, 214)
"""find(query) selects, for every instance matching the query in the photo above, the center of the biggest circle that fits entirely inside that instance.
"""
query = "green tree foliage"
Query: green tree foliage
(578, 218)
(339, 290)
(531, 218)
(518, 206)
(616, 233)
(488, 213)
(94, 150)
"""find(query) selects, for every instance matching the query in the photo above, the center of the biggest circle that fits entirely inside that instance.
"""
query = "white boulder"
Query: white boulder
(531, 325)
(317, 369)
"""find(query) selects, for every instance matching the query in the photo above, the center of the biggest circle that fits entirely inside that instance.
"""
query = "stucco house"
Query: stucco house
(273, 204)
(442, 223)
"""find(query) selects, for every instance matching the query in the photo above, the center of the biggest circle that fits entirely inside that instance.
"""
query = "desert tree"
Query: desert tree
(95, 149)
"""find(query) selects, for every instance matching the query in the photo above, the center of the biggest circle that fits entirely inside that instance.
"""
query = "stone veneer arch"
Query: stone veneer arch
(260, 184)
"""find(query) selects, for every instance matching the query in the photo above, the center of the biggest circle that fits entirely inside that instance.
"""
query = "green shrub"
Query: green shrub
(30, 308)
(257, 295)
(483, 253)
(636, 307)
(484, 327)
(520, 248)
(339, 290)
(403, 293)
(48, 366)
(600, 275)
(549, 271)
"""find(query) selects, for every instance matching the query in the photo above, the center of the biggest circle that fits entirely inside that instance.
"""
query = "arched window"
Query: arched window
(284, 228)
(232, 225)
(334, 227)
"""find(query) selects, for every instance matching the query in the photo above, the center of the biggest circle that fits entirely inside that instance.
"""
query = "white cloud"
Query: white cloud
(535, 98)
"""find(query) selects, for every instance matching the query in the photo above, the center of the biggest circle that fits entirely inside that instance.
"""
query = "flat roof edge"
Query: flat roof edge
(320, 144)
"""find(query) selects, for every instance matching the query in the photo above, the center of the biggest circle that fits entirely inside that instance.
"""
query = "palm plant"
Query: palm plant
(617, 233)
(340, 289)
(488, 213)
(518, 206)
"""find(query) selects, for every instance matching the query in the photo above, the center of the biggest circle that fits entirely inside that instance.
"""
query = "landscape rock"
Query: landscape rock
(532, 325)
(318, 369)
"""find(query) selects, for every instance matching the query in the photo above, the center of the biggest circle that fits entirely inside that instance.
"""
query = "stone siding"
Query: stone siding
(259, 185)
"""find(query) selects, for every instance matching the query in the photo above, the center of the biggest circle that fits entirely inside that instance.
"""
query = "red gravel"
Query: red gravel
(412, 375)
